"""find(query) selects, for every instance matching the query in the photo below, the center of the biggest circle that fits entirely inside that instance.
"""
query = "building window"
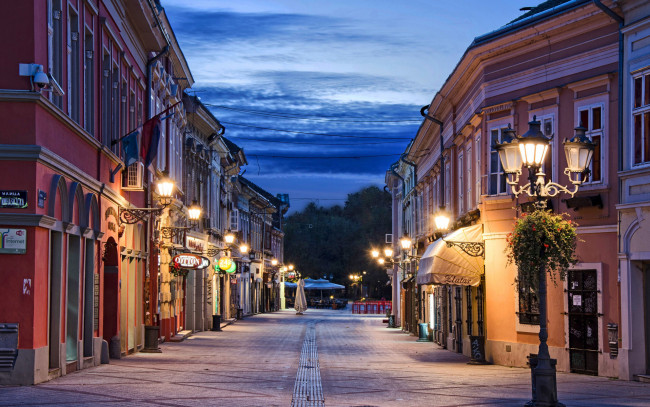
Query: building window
(641, 118)
(591, 117)
(115, 109)
(106, 99)
(89, 84)
(497, 178)
(447, 191)
(461, 184)
(55, 46)
(74, 67)
(468, 179)
(477, 186)
(548, 128)
(528, 304)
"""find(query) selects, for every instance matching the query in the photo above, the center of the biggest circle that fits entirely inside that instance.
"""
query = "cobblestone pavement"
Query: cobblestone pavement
(254, 362)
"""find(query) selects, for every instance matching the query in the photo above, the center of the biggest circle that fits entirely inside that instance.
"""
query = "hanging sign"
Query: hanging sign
(13, 241)
(13, 199)
(188, 261)
(226, 264)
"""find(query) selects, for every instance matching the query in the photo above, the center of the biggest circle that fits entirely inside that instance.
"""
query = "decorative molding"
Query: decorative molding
(27, 219)
(585, 230)
(553, 93)
(591, 83)
(497, 108)
(30, 152)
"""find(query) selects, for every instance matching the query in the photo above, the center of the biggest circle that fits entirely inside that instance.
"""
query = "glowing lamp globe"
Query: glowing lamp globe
(194, 211)
(533, 145)
(405, 242)
(579, 151)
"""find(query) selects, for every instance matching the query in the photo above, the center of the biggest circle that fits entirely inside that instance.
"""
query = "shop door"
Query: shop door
(646, 304)
(583, 321)
(458, 326)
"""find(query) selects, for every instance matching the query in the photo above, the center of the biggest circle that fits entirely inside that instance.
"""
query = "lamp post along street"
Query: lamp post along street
(532, 148)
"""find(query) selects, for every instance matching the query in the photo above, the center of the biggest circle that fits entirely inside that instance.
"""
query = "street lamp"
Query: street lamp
(243, 248)
(165, 188)
(388, 252)
(442, 220)
(533, 146)
(194, 212)
(274, 262)
(229, 238)
(405, 242)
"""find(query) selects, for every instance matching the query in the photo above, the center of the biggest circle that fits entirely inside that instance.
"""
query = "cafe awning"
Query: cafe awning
(441, 264)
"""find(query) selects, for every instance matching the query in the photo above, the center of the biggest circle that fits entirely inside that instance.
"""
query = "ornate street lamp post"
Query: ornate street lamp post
(532, 148)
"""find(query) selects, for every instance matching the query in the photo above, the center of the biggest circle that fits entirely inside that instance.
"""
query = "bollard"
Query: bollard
(151, 334)
(216, 322)
(240, 313)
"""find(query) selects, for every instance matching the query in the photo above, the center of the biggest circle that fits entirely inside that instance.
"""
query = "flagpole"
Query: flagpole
(119, 140)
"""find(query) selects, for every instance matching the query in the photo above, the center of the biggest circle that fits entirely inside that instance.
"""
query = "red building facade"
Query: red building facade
(82, 277)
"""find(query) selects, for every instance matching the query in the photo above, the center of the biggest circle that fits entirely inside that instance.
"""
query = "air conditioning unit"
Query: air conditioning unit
(389, 238)
(132, 177)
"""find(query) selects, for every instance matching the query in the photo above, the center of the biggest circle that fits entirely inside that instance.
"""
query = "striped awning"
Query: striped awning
(442, 264)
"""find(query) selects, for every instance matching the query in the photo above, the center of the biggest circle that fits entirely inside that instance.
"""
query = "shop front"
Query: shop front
(451, 274)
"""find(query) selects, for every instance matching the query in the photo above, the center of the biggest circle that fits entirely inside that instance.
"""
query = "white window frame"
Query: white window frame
(502, 185)
(479, 174)
(601, 101)
(638, 111)
(461, 182)
(447, 191)
(544, 115)
(469, 180)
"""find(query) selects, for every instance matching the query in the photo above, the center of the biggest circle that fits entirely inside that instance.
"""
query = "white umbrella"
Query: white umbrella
(301, 301)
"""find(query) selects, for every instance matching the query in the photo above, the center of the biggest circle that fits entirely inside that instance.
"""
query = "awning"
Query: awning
(451, 265)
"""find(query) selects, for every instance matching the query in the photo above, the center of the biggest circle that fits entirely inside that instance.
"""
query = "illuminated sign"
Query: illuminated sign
(188, 261)
(226, 264)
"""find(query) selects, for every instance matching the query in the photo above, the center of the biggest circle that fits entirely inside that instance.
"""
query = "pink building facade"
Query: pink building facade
(557, 64)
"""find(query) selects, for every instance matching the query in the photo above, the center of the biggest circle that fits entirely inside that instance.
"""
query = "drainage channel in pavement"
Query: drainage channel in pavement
(308, 390)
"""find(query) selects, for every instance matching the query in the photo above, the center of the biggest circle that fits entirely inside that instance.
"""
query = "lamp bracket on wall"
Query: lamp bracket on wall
(169, 232)
(135, 215)
(474, 249)
(115, 171)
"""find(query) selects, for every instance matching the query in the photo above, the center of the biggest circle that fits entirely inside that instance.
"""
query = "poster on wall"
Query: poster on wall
(13, 241)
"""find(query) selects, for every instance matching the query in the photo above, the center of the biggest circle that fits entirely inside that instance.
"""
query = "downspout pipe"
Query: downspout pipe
(425, 113)
(621, 50)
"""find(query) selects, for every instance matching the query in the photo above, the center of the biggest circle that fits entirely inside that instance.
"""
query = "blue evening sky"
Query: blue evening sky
(355, 68)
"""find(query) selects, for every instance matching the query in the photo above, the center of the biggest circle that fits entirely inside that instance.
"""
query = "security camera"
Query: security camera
(41, 79)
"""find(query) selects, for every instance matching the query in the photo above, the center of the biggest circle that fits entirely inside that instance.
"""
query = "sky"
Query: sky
(345, 78)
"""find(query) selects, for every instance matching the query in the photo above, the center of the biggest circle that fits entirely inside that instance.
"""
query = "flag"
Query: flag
(150, 140)
(130, 149)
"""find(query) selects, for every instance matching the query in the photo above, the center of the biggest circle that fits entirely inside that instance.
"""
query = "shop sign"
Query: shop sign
(194, 244)
(188, 261)
(13, 241)
(13, 199)
(226, 264)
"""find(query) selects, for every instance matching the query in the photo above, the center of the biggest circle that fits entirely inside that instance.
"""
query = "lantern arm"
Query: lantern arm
(512, 178)
(551, 189)
(582, 176)
(518, 191)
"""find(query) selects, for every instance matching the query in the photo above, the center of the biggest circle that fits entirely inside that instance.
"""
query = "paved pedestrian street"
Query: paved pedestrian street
(322, 358)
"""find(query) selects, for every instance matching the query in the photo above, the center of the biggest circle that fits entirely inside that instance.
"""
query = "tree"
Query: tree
(334, 242)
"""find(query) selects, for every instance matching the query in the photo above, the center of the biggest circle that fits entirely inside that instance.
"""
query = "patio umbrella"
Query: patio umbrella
(322, 284)
(301, 301)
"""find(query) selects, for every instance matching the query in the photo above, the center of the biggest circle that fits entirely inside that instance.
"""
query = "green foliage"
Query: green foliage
(335, 241)
(542, 238)
(176, 271)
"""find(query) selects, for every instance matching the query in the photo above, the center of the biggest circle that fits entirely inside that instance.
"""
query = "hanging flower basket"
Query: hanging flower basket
(177, 271)
(542, 238)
